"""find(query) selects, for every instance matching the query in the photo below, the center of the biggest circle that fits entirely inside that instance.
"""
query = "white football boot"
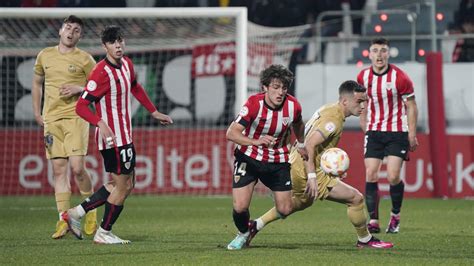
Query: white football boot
(107, 237)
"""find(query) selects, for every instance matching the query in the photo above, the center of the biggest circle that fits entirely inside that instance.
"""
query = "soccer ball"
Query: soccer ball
(334, 161)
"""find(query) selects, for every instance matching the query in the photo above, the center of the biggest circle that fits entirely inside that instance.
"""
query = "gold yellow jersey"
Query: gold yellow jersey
(58, 69)
(328, 121)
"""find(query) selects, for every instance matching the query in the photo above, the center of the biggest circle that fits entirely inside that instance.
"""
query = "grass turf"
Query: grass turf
(196, 230)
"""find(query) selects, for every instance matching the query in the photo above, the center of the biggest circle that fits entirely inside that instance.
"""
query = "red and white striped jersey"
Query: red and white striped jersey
(386, 110)
(259, 119)
(110, 85)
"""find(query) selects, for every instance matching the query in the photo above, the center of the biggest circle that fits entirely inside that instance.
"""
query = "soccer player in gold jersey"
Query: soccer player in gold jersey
(322, 132)
(63, 69)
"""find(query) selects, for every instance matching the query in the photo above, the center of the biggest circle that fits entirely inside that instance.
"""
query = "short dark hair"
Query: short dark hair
(276, 72)
(380, 41)
(73, 19)
(111, 33)
(350, 87)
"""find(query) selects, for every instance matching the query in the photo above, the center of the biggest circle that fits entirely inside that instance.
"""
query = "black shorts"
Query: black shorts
(119, 160)
(379, 144)
(275, 176)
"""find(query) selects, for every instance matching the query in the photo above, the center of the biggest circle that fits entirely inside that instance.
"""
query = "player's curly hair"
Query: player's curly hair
(111, 33)
(279, 72)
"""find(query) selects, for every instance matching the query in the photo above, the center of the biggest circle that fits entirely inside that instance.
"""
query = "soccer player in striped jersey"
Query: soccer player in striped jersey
(389, 124)
(261, 132)
(110, 86)
(63, 70)
(323, 132)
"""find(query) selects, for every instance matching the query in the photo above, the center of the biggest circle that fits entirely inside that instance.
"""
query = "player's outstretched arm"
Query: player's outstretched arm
(163, 118)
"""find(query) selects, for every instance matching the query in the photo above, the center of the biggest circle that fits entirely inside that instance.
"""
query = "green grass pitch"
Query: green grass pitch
(195, 230)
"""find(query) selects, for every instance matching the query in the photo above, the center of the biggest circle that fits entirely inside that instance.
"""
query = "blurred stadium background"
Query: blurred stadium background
(188, 66)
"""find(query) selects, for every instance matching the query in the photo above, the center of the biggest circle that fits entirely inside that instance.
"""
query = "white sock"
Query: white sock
(396, 215)
(61, 217)
(365, 239)
(260, 224)
(80, 211)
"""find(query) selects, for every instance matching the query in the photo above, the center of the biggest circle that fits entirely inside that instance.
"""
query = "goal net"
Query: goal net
(197, 64)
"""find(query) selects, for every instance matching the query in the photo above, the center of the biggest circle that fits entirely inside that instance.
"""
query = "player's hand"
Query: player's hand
(312, 188)
(67, 90)
(266, 140)
(39, 120)
(107, 134)
(164, 119)
(413, 142)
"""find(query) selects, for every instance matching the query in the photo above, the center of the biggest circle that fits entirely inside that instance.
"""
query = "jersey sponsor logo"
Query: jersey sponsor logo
(91, 85)
(244, 111)
(286, 120)
(288, 183)
(330, 127)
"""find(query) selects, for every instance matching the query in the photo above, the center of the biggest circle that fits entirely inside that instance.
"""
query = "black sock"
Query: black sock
(97, 199)
(396, 193)
(372, 199)
(241, 220)
(111, 214)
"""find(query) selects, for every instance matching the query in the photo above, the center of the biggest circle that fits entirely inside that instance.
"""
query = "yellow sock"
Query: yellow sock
(270, 216)
(85, 195)
(358, 218)
(63, 201)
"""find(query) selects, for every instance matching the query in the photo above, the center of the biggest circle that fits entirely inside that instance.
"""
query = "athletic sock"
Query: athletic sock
(63, 201)
(241, 220)
(111, 214)
(358, 219)
(396, 193)
(97, 199)
(372, 199)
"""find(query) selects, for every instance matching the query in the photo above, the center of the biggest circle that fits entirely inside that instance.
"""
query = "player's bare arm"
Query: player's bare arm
(313, 139)
(299, 132)
(37, 94)
(412, 114)
(234, 134)
(68, 90)
(164, 119)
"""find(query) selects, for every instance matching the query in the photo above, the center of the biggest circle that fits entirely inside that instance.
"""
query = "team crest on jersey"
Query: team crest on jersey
(91, 85)
(72, 69)
(244, 111)
(286, 120)
(48, 140)
(127, 165)
(330, 127)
